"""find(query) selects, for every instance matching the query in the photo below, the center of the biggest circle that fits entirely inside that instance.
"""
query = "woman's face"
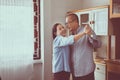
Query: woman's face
(61, 30)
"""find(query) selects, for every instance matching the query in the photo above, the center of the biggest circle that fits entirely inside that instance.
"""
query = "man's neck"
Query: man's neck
(74, 32)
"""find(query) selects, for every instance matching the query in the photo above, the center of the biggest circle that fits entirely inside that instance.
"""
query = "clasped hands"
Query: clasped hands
(87, 29)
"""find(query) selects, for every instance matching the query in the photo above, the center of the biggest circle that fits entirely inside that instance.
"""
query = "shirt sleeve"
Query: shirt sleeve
(96, 43)
(63, 41)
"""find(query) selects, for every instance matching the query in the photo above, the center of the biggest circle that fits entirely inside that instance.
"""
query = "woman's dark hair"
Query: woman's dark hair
(54, 30)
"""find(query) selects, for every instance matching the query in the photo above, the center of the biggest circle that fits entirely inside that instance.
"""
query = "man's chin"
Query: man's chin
(70, 30)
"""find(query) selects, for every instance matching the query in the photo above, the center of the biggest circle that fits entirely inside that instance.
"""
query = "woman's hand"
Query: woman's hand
(88, 29)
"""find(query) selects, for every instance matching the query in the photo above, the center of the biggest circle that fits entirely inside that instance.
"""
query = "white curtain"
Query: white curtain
(16, 39)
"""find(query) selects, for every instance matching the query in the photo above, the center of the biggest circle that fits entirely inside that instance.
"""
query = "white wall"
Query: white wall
(94, 3)
(37, 74)
(60, 7)
(52, 11)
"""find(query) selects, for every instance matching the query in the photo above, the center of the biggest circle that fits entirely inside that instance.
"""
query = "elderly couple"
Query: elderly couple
(74, 53)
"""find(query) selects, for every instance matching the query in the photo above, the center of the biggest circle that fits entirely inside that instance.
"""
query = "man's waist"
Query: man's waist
(84, 76)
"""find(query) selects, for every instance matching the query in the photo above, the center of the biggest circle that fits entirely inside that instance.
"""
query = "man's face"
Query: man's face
(70, 24)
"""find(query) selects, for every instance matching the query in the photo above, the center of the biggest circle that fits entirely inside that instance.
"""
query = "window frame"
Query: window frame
(37, 44)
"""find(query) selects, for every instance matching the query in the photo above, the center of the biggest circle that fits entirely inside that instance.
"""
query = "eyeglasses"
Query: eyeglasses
(69, 22)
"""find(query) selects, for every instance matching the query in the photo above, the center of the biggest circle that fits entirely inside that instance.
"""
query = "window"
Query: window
(20, 12)
(16, 30)
(37, 49)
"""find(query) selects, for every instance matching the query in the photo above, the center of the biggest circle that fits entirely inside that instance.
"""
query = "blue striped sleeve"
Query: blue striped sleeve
(63, 41)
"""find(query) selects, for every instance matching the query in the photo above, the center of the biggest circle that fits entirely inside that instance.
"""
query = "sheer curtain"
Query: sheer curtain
(16, 39)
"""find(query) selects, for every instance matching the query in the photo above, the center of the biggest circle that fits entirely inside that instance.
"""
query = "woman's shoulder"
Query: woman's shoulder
(58, 38)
